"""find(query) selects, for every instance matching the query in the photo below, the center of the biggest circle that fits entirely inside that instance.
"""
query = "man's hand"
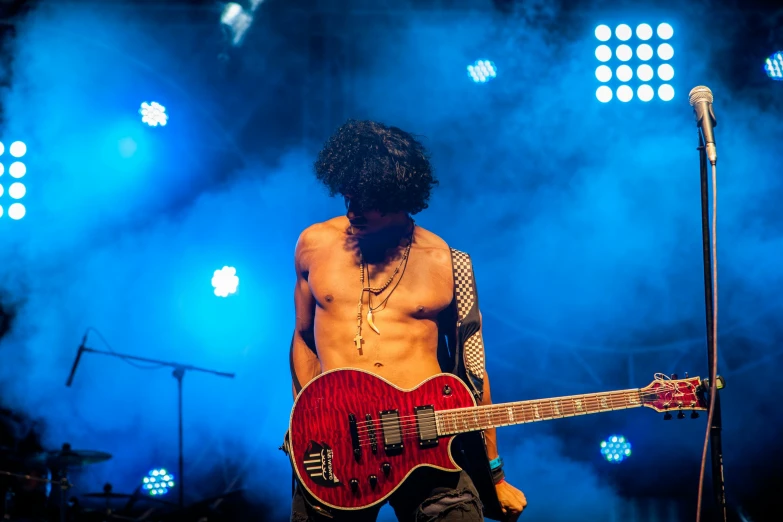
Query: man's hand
(511, 499)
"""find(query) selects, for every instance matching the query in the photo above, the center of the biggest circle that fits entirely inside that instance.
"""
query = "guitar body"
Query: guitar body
(329, 423)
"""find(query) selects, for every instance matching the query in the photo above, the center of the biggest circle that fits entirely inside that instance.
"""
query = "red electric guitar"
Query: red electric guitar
(355, 437)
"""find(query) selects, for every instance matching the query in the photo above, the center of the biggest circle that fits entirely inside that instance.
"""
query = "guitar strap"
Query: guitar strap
(461, 352)
(469, 345)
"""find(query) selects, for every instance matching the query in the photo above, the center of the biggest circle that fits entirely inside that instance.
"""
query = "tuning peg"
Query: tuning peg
(681, 415)
(694, 415)
(674, 376)
(667, 416)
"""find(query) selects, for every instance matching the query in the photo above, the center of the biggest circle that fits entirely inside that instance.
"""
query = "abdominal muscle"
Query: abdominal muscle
(404, 353)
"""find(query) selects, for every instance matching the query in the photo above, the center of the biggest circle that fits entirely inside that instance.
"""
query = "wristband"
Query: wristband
(496, 463)
(498, 476)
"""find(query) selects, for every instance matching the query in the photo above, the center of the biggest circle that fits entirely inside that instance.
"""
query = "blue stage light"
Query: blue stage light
(225, 281)
(642, 51)
(153, 114)
(666, 92)
(158, 482)
(624, 93)
(17, 190)
(645, 93)
(665, 31)
(482, 71)
(624, 73)
(17, 149)
(604, 94)
(616, 449)
(16, 211)
(774, 66)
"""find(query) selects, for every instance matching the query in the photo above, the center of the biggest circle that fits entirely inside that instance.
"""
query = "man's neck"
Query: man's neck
(383, 245)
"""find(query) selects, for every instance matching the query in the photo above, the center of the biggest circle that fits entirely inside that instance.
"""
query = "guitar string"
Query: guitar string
(498, 409)
(408, 431)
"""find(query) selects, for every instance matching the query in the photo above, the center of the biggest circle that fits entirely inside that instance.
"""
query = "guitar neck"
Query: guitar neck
(463, 420)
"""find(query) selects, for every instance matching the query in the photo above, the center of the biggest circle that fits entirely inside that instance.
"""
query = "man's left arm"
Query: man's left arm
(512, 500)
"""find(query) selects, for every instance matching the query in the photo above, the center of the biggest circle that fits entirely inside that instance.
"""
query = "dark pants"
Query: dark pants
(428, 495)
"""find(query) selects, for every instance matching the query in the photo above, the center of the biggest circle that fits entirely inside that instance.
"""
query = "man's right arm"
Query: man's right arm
(303, 356)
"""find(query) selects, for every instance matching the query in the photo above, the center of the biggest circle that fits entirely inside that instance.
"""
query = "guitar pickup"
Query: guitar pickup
(426, 428)
(371, 434)
(392, 431)
(357, 449)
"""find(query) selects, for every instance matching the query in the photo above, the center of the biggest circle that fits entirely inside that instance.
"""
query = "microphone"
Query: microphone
(701, 101)
(76, 361)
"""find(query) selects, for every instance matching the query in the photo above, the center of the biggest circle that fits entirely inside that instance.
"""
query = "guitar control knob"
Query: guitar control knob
(386, 468)
(373, 481)
(447, 390)
(354, 485)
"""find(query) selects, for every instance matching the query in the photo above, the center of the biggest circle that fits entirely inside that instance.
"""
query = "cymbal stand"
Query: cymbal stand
(178, 374)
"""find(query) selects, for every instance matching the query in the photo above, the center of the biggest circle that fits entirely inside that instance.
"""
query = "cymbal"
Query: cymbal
(62, 459)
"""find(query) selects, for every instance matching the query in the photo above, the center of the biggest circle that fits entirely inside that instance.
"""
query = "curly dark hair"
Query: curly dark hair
(383, 168)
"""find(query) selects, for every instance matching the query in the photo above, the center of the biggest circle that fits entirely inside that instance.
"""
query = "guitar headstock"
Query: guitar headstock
(667, 394)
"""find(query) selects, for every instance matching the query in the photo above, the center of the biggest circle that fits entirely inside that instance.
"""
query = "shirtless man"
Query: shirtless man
(384, 175)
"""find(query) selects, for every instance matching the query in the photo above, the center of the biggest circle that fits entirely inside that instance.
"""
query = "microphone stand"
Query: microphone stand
(716, 444)
(178, 373)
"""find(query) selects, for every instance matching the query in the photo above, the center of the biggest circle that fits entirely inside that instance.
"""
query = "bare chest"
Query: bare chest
(420, 289)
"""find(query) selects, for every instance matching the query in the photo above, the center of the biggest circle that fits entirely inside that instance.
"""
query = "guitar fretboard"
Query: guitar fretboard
(462, 420)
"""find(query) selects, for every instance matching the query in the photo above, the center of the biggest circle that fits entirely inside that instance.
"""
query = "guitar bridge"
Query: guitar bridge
(392, 431)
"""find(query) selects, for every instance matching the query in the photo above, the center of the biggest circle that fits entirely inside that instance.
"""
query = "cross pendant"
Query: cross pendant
(358, 341)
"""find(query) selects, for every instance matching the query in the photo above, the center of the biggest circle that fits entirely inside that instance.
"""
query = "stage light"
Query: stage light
(225, 281)
(603, 73)
(645, 93)
(603, 53)
(2, 148)
(482, 71)
(17, 190)
(153, 114)
(237, 21)
(603, 33)
(665, 51)
(624, 53)
(17, 169)
(624, 93)
(644, 72)
(666, 92)
(623, 32)
(665, 72)
(665, 31)
(17, 149)
(615, 449)
(158, 482)
(774, 66)
(644, 32)
(16, 211)
(624, 73)
(1, 190)
(604, 94)
(1, 210)
(641, 50)
(644, 52)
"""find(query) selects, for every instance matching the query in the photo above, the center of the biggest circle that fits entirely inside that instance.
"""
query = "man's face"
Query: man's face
(363, 222)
